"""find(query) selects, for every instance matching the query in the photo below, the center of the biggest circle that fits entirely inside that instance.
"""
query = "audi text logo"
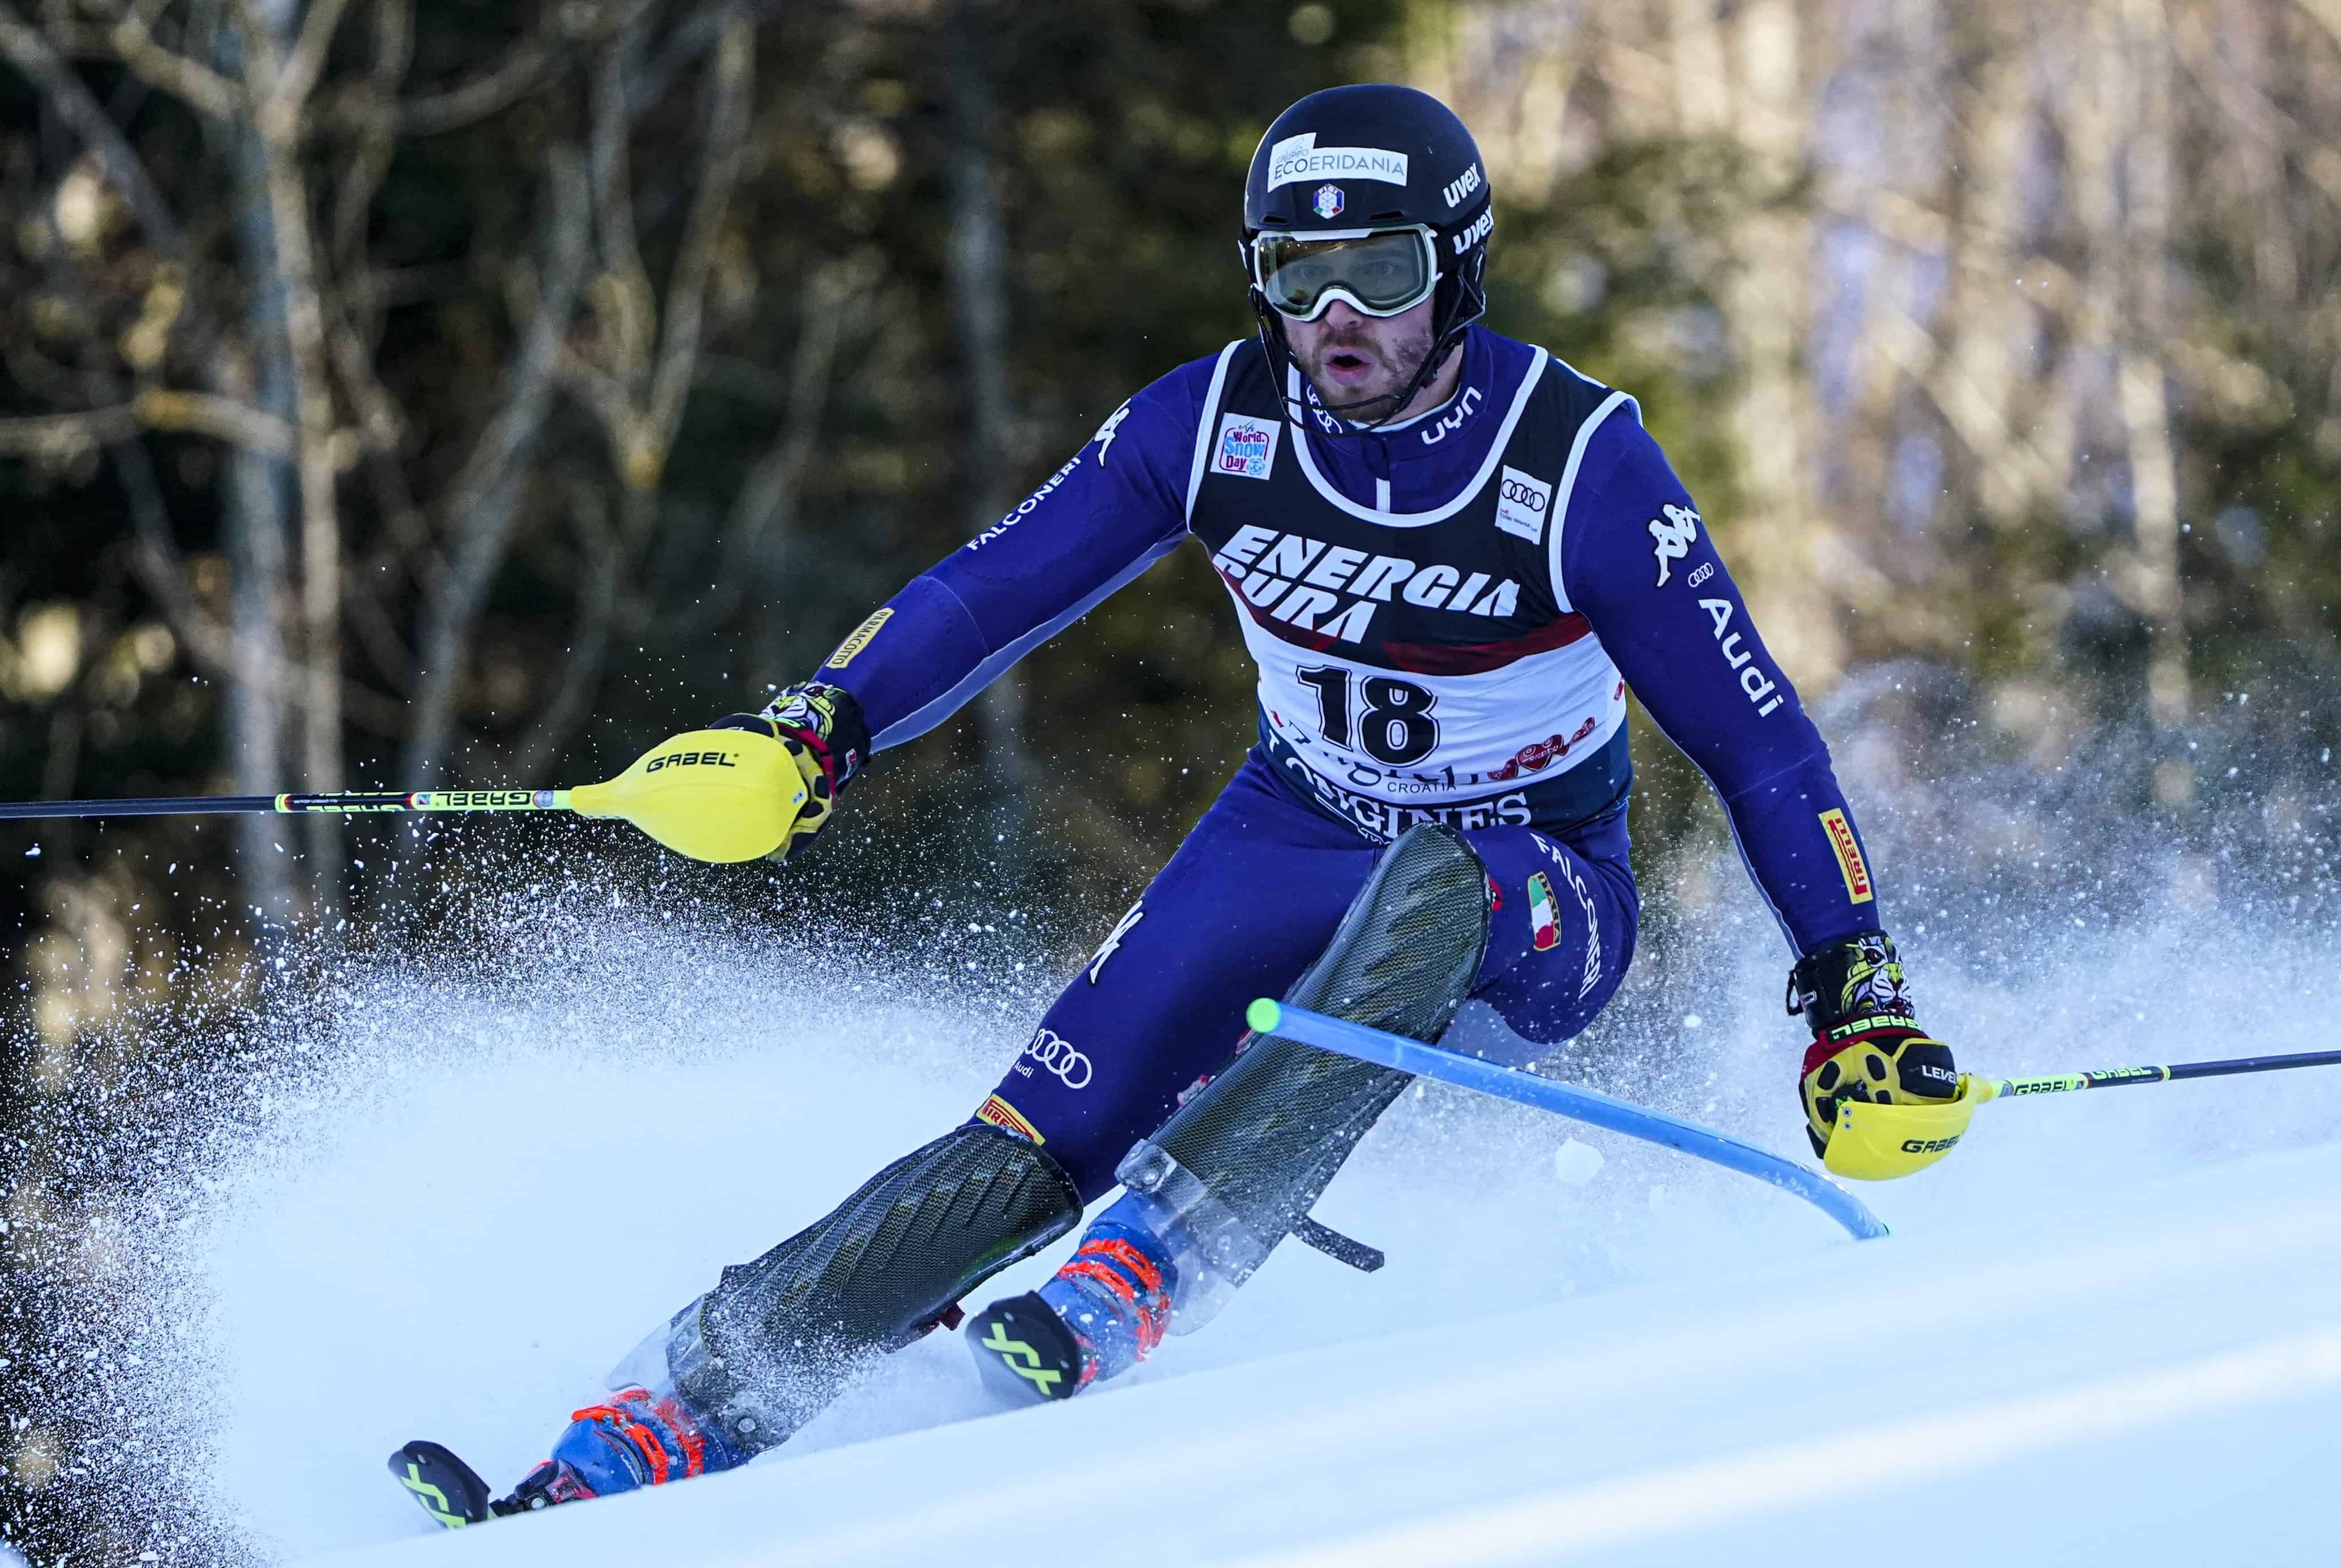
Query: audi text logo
(1521, 495)
(1055, 1052)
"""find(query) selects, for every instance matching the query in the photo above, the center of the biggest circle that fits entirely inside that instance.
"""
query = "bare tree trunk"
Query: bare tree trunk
(277, 72)
(259, 522)
(978, 269)
(2145, 59)
(483, 504)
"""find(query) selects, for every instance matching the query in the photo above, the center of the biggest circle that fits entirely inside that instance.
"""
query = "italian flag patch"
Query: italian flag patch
(1544, 916)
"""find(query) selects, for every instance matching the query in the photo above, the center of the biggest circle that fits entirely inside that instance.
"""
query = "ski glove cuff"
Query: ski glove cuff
(1867, 1043)
(822, 728)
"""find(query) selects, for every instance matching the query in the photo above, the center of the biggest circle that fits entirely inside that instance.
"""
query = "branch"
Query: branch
(31, 54)
(501, 443)
(206, 414)
(530, 66)
(581, 673)
(768, 497)
(59, 435)
(202, 88)
(298, 78)
(727, 137)
(485, 496)
(209, 642)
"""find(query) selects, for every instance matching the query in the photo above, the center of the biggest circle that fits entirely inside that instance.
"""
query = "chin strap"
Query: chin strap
(1472, 299)
(1280, 358)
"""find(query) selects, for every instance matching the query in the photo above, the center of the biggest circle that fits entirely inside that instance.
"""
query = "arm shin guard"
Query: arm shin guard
(779, 1338)
(1237, 1167)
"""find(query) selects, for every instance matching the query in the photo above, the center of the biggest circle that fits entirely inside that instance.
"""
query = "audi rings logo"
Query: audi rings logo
(1527, 496)
(1055, 1052)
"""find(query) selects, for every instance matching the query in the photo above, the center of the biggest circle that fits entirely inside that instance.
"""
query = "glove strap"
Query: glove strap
(827, 720)
(1850, 986)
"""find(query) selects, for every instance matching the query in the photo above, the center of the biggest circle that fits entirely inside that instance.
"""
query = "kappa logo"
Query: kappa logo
(1105, 432)
(1334, 590)
(1522, 504)
(1112, 943)
(1247, 446)
(1672, 535)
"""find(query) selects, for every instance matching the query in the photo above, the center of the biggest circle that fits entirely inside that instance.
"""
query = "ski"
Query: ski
(448, 1490)
(1024, 1352)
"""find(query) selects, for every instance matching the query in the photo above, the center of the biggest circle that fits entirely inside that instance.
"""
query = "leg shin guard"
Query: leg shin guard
(779, 1338)
(1237, 1167)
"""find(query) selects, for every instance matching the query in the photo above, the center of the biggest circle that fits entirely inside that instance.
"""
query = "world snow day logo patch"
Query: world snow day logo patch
(1298, 158)
(1329, 201)
(1247, 446)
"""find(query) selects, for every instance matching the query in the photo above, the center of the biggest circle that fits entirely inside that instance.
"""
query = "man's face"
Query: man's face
(1353, 357)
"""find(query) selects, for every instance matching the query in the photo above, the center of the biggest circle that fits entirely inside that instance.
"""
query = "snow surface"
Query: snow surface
(2106, 1331)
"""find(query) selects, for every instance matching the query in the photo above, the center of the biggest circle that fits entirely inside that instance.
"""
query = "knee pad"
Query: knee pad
(1235, 1168)
(777, 1338)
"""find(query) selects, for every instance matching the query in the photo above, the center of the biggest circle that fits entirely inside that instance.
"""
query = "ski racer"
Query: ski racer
(1451, 555)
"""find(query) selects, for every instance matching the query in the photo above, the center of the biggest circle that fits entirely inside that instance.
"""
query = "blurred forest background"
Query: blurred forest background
(405, 391)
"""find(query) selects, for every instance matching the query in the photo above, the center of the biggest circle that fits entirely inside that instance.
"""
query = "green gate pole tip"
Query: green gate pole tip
(1264, 1016)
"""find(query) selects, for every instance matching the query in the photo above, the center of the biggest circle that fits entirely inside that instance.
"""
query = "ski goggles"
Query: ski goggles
(1379, 272)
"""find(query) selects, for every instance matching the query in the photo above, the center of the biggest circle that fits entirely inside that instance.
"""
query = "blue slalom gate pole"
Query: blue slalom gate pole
(1588, 1105)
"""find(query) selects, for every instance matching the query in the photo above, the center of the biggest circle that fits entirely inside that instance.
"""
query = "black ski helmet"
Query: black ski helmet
(1375, 156)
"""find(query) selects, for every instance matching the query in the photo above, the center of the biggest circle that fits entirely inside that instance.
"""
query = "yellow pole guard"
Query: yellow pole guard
(1874, 1143)
(718, 796)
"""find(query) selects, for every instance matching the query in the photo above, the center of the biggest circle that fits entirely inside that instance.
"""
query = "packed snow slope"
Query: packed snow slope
(2108, 1329)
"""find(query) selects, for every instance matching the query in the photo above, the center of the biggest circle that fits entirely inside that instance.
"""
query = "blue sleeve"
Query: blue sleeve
(1115, 509)
(1638, 563)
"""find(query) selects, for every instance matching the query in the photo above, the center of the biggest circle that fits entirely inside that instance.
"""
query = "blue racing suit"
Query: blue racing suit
(1447, 615)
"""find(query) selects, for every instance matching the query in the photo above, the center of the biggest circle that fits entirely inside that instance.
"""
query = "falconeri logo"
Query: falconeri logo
(1298, 158)
(1247, 445)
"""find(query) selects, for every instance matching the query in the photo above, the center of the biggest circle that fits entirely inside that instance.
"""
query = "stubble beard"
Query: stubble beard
(1375, 398)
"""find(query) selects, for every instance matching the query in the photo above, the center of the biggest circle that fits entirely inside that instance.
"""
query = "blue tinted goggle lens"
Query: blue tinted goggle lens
(1379, 274)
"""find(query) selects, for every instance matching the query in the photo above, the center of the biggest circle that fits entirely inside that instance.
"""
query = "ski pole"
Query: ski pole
(717, 796)
(1588, 1105)
(1874, 1143)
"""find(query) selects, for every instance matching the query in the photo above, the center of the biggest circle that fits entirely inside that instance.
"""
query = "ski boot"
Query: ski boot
(638, 1439)
(1101, 1313)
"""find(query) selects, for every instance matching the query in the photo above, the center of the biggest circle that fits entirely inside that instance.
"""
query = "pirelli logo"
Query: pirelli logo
(864, 635)
(1001, 1113)
(1849, 863)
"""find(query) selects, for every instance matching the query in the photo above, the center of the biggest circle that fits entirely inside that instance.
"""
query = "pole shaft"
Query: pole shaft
(341, 802)
(1588, 1105)
(2121, 1077)
(195, 806)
